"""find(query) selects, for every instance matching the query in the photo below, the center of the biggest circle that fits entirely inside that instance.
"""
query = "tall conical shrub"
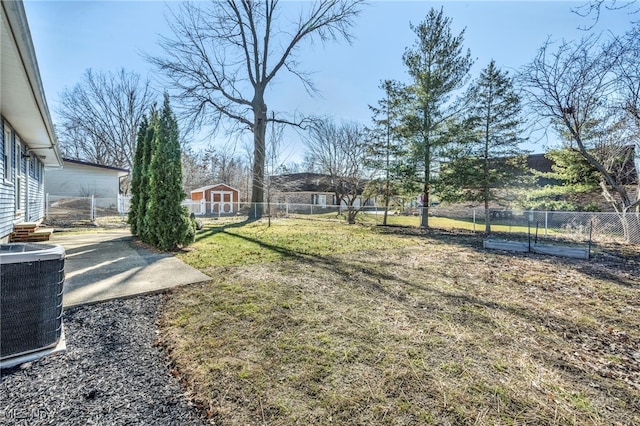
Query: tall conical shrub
(166, 220)
(145, 190)
(136, 177)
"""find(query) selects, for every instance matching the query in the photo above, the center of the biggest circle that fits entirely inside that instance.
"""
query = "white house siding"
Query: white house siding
(30, 175)
(36, 190)
(25, 116)
(6, 211)
(76, 180)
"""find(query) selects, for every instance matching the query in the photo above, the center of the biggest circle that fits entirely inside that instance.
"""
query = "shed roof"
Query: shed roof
(204, 188)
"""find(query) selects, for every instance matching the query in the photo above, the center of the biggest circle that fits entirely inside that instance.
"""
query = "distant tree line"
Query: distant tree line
(100, 117)
(441, 134)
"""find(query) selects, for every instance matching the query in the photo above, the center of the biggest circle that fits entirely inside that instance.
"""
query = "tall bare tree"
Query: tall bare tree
(101, 116)
(577, 89)
(224, 54)
(628, 72)
(341, 152)
(273, 161)
(195, 169)
(213, 165)
(225, 164)
(389, 151)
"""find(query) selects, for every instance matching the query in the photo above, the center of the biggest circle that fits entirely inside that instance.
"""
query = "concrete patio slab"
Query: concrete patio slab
(108, 265)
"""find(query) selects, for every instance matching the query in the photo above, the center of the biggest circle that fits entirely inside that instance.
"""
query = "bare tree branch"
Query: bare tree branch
(101, 115)
(578, 89)
(593, 9)
(341, 152)
(220, 54)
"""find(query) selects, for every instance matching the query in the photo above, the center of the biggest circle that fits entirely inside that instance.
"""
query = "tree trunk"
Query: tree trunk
(386, 205)
(426, 188)
(485, 165)
(259, 131)
(387, 189)
(487, 217)
(424, 219)
(351, 215)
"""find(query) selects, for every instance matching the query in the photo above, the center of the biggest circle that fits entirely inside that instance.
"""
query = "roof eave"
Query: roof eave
(28, 115)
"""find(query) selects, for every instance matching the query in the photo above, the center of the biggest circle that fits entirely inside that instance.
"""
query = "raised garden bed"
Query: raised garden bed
(525, 247)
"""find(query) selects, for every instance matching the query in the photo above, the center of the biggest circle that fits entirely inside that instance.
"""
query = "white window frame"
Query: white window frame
(19, 179)
(8, 169)
(19, 185)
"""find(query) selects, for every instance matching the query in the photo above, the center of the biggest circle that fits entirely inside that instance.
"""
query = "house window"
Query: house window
(8, 175)
(17, 154)
(31, 165)
(20, 171)
(18, 193)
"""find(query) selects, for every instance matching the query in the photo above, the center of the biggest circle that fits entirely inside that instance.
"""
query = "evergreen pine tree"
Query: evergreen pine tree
(136, 177)
(438, 67)
(387, 146)
(167, 221)
(488, 157)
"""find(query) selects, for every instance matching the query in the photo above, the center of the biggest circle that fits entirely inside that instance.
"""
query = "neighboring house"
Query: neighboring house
(83, 179)
(216, 199)
(302, 188)
(28, 142)
(626, 169)
(306, 188)
(540, 163)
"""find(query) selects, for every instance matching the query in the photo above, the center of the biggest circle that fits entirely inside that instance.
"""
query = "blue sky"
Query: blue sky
(71, 36)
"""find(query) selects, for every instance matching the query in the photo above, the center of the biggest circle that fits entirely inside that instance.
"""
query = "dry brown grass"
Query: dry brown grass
(435, 332)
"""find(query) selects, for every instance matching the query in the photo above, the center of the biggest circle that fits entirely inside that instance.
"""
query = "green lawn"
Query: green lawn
(434, 221)
(319, 322)
(249, 243)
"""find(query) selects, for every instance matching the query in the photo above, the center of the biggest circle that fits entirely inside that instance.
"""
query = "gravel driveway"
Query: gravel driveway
(111, 374)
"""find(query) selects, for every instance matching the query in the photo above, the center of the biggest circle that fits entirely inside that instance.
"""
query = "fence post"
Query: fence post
(93, 208)
(474, 219)
(120, 203)
(546, 222)
(46, 206)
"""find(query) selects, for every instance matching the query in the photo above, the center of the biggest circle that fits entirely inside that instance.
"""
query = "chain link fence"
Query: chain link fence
(541, 225)
(82, 211)
(549, 225)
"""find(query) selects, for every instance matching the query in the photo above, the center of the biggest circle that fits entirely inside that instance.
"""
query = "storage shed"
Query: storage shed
(217, 199)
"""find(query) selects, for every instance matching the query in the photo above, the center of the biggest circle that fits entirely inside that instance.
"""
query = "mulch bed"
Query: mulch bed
(111, 374)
